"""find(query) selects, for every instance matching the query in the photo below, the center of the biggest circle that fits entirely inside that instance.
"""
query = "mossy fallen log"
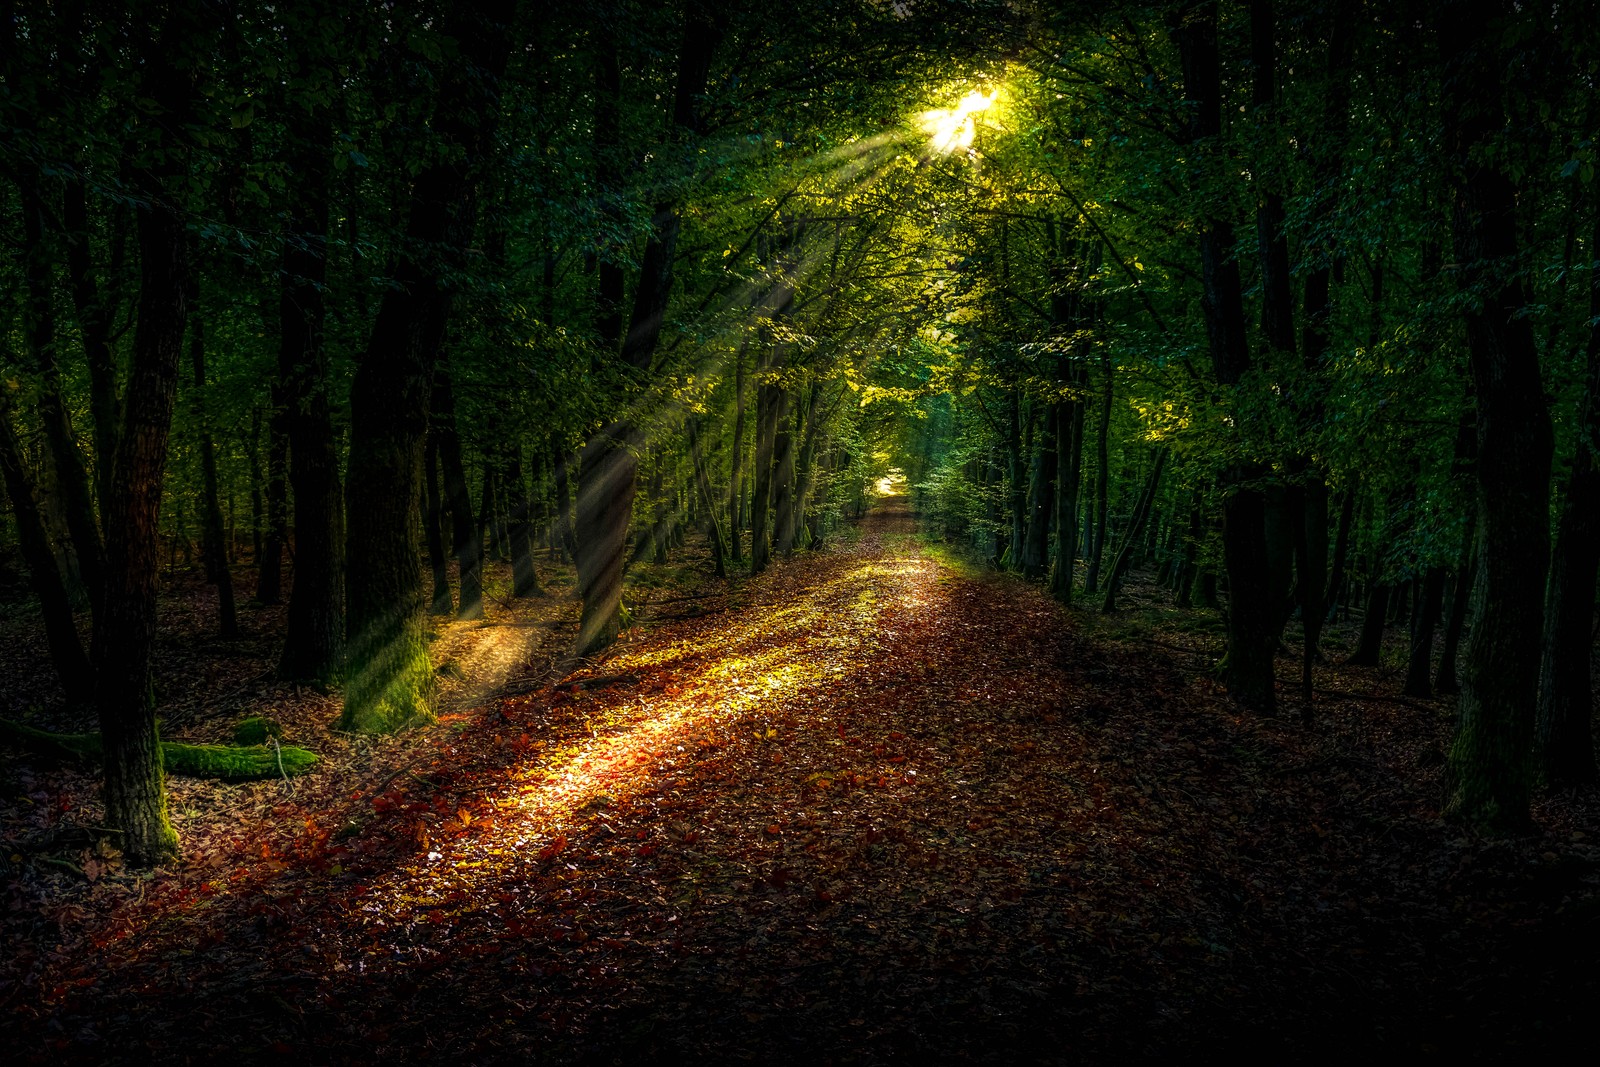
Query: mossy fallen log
(234, 763)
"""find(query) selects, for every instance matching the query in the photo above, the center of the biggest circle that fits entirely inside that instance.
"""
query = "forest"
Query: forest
(607, 531)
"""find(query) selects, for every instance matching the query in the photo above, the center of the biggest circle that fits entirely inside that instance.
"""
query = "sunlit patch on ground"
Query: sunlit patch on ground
(727, 679)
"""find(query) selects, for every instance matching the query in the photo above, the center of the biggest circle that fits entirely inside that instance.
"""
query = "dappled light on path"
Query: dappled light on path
(864, 800)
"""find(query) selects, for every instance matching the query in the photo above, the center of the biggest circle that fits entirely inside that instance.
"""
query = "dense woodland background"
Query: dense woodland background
(1286, 308)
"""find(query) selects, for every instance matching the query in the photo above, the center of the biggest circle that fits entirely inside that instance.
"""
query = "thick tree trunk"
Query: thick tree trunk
(606, 480)
(61, 633)
(390, 679)
(1490, 769)
(609, 466)
(1565, 736)
(313, 647)
(124, 633)
(1252, 618)
(213, 535)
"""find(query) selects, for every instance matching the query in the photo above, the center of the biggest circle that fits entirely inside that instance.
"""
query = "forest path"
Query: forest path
(866, 808)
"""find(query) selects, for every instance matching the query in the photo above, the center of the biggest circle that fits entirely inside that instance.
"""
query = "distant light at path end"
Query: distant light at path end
(952, 131)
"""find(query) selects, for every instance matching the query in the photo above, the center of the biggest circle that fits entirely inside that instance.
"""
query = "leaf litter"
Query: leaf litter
(862, 808)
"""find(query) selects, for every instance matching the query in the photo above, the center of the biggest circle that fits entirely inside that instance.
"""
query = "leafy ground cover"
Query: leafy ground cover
(867, 807)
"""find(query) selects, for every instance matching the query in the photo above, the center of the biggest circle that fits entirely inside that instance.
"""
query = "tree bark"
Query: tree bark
(1424, 621)
(1490, 769)
(1069, 482)
(609, 466)
(1564, 734)
(432, 516)
(1102, 478)
(94, 312)
(124, 633)
(314, 640)
(213, 535)
(61, 633)
(1252, 632)
(1041, 500)
(702, 482)
(1141, 515)
(466, 535)
(783, 502)
(390, 679)
(736, 462)
(519, 528)
(269, 565)
(39, 327)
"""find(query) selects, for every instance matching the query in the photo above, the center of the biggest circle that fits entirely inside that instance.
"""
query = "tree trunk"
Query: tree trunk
(94, 309)
(39, 328)
(61, 633)
(1424, 621)
(214, 549)
(314, 641)
(563, 526)
(769, 404)
(1252, 632)
(783, 495)
(432, 517)
(1447, 682)
(1069, 481)
(124, 633)
(466, 538)
(524, 576)
(1490, 769)
(390, 678)
(609, 467)
(1369, 648)
(269, 565)
(1102, 479)
(1141, 515)
(702, 482)
(736, 462)
(1017, 481)
(1565, 735)
(1041, 500)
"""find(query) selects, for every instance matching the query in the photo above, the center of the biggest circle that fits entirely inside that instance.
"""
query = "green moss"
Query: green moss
(255, 730)
(389, 684)
(228, 762)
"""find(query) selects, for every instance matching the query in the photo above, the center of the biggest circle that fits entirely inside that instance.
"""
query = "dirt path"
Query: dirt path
(863, 809)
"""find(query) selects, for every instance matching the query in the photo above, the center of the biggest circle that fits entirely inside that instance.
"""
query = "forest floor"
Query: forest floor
(870, 806)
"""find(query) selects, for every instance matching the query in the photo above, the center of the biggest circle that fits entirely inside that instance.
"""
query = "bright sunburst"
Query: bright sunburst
(954, 130)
